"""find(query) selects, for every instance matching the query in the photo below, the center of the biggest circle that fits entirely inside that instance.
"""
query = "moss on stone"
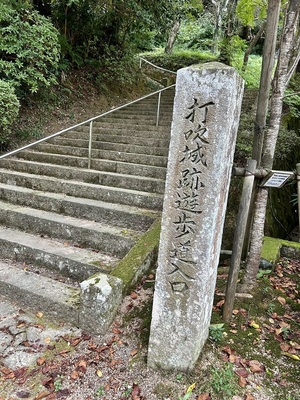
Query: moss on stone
(139, 259)
(271, 248)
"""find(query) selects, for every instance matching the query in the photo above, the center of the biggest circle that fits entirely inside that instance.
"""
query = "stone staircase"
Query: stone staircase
(65, 228)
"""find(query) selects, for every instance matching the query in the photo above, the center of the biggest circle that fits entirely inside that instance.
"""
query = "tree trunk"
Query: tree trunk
(252, 44)
(172, 36)
(285, 67)
(263, 102)
(265, 78)
(220, 8)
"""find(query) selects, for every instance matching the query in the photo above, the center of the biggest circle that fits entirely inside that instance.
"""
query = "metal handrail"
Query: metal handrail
(90, 121)
(155, 66)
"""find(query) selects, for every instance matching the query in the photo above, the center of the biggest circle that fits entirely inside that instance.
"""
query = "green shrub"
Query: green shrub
(9, 109)
(196, 34)
(29, 49)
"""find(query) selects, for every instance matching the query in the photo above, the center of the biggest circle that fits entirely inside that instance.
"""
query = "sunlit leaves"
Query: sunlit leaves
(29, 49)
(249, 11)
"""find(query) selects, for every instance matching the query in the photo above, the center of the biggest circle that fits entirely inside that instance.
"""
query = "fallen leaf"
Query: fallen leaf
(41, 395)
(135, 393)
(18, 373)
(76, 341)
(39, 314)
(248, 397)
(134, 352)
(256, 366)
(116, 331)
(133, 295)
(254, 325)
(242, 372)
(220, 303)
(242, 382)
(204, 396)
(99, 373)
(293, 356)
(278, 331)
(40, 361)
(281, 300)
(284, 347)
(228, 350)
(82, 364)
(295, 345)
(232, 358)
(74, 375)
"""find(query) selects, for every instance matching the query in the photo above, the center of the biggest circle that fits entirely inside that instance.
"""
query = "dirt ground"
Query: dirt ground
(256, 356)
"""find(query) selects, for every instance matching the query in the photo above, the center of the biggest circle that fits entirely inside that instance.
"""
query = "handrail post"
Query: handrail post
(140, 63)
(158, 108)
(90, 145)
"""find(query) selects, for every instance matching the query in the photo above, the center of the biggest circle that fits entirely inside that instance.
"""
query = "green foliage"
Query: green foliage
(252, 73)
(287, 148)
(222, 381)
(216, 332)
(178, 59)
(29, 49)
(89, 27)
(292, 96)
(196, 33)
(232, 49)
(9, 109)
(249, 11)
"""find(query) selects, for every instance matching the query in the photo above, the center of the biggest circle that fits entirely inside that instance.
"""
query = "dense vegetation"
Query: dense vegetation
(43, 43)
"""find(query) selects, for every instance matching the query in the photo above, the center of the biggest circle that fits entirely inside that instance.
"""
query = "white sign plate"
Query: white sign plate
(276, 179)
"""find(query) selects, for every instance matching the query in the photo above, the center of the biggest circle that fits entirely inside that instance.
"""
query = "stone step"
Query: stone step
(136, 115)
(73, 262)
(94, 235)
(118, 126)
(122, 216)
(119, 147)
(135, 121)
(111, 179)
(118, 167)
(124, 138)
(136, 136)
(150, 111)
(65, 181)
(40, 293)
(157, 161)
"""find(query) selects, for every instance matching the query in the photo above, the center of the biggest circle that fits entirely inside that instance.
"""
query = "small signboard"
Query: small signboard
(276, 179)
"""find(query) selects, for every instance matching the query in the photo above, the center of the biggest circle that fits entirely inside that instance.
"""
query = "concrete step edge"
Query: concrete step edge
(123, 216)
(94, 190)
(81, 232)
(40, 293)
(73, 262)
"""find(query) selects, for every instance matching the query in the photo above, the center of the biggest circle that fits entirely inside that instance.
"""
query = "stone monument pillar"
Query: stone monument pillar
(205, 121)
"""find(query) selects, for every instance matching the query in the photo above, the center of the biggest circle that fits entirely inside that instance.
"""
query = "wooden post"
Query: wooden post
(239, 239)
(298, 186)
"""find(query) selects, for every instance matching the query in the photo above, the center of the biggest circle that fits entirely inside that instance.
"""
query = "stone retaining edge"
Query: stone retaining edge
(101, 295)
(274, 248)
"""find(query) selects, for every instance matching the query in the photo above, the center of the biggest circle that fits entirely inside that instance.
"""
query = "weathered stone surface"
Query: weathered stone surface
(101, 296)
(205, 120)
